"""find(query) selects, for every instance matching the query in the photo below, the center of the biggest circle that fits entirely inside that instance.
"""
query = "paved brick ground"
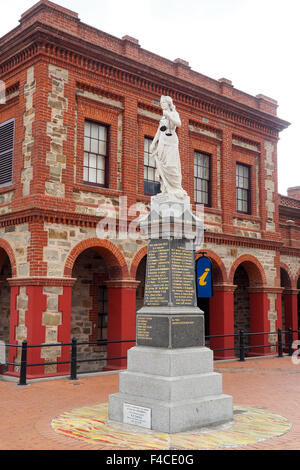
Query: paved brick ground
(26, 412)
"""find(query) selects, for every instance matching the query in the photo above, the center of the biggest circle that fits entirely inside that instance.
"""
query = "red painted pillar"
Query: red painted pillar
(64, 330)
(30, 320)
(291, 311)
(259, 321)
(121, 320)
(1, 283)
(13, 352)
(222, 321)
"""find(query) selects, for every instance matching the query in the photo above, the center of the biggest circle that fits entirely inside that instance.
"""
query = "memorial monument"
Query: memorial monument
(170, 385)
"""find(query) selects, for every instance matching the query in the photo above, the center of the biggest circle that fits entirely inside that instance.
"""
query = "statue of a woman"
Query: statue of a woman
(165, 150)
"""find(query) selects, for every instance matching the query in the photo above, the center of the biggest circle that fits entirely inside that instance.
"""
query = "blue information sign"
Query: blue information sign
(204, 278)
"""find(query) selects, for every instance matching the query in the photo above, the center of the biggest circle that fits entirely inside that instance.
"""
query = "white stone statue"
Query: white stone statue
(165, 150)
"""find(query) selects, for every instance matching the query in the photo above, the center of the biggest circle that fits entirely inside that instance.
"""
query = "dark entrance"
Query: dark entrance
(204, 305)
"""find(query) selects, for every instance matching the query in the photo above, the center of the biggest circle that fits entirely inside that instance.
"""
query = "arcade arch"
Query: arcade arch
(248, 276)
(94, 263)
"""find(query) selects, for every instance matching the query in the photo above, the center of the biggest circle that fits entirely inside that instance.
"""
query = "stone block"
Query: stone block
(170, 417)
(170, 388)
(170, 363)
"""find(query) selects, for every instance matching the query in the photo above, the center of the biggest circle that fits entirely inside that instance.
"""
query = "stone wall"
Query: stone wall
(230, 254)
(51, 320)
(57, 132)
(293, 263)
(63, 238)
(5, 202)
(21, 329)
(18, 237)
(270, 186)
(28, 119)
(247, 228)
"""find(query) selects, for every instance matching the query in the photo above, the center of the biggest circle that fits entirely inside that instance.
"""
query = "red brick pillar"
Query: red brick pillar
(259, 321)
(121, 320)
(41, 313)
(222, 321)
(228, 182)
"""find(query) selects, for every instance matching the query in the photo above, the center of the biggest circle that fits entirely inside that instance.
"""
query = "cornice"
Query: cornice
(41, 281)
(52, 216)
(46, 40)
(290, 251)
(122, 284)
(289, 211)
(232, 240)
(289, 206)
(265, 290)
(83, 220)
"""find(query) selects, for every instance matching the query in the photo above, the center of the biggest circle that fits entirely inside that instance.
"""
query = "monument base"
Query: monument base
(170, 391)
(170, 331)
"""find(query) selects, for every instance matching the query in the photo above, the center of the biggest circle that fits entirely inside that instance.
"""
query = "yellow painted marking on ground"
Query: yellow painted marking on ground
(92, 426)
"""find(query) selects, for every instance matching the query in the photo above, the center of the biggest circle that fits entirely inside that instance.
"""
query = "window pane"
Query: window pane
(94, 131)
(100, 163)
(204, 198)
(87, 129)
(92, 175)
(102, 148)
(87, 144)
(150, 174)
(86, 174)
(100, 177)
(94, 146)
(102, 133)
(92, 161)
(152, 162)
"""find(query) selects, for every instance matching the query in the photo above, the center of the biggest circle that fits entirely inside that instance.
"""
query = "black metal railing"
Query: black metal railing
(243, 347)
(74, 362)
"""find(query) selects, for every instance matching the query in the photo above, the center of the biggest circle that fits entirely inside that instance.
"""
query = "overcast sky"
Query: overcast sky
(254, 43)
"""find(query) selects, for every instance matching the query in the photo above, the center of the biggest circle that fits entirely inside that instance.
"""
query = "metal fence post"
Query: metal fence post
(290, 342)
(280, 349)
(23, 369)
(74, 360)
(242, 346)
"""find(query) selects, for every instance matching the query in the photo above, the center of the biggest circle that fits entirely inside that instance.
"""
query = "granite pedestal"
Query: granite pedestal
(170, 385)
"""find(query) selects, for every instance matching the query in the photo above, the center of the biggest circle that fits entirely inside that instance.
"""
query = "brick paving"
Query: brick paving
(270, 383)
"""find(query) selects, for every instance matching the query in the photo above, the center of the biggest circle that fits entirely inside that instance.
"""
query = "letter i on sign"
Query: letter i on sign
(204, 278)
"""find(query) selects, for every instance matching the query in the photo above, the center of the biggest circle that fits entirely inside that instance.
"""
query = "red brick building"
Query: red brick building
(81, 107)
